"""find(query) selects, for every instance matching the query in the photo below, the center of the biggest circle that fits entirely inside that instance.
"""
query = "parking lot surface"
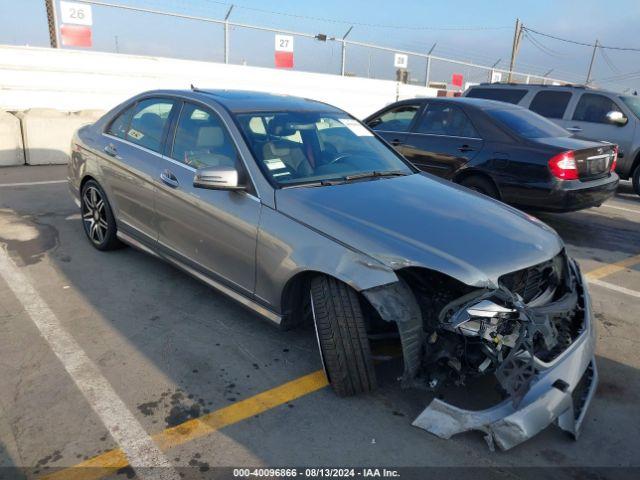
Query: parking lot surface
(103, 353)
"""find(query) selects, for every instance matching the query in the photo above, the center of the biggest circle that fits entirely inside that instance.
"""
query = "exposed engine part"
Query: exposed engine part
(541, 384)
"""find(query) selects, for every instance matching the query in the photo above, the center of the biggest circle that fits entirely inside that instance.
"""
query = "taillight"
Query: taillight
(614, 162)
(563, 166)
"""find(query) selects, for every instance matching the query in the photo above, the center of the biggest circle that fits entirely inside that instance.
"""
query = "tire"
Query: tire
(635, 179)
(481, 185)
(98, 221)
(344, 345)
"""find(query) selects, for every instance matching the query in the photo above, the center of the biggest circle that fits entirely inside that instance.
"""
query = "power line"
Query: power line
(609, 62)
(362, 24)
(584, 44)
(542, 47)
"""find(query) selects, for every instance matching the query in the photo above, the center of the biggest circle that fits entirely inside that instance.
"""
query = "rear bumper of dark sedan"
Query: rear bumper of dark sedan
(567, 195)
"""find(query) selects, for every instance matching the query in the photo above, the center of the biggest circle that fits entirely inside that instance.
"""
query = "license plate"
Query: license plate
(597, 165)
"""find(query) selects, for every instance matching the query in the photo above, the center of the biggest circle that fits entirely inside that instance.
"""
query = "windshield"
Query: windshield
(310, 147)
(633, 102)
(527, 123)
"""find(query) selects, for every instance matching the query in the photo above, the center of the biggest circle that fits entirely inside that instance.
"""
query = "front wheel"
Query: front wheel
(97, 217)
(342, 336)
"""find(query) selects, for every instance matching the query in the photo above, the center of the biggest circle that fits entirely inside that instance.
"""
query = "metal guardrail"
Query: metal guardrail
(431, 64)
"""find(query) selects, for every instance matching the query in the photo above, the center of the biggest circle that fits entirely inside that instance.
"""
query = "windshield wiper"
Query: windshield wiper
(375, 174)
(348, 178)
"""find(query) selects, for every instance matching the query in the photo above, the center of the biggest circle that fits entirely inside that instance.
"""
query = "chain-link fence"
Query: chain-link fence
(223, 40)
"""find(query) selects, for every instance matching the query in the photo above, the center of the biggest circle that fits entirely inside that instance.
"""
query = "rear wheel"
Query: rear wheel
(636, 179)
(481, 185)
(97, 217)
(344, 345)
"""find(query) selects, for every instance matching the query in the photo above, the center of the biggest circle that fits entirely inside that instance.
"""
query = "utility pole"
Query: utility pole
(545, 75)
(593, 58)
(53, 23)
(517, 36)
(344, 51)
(428, 72)
(226, 35)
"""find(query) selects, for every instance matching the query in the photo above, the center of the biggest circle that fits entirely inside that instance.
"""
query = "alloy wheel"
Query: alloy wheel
(94, 215)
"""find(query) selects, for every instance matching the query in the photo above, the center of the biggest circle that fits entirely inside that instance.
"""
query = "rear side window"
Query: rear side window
(395, 120)
(550, 104)
(201, 140)
(149, 123)
(442, 119)
(593, 107)
(120, 125)
(509, 95)
(526, 123)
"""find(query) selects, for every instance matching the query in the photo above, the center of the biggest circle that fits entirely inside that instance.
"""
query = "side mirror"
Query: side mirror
(218, 178)
(617, 118)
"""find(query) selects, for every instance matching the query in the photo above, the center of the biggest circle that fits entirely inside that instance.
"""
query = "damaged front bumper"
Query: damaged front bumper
(561, 392)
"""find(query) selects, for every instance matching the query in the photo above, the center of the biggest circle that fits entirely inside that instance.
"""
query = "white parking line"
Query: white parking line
(28, 184)
(616, 288)
(140, 450)
(621, 208)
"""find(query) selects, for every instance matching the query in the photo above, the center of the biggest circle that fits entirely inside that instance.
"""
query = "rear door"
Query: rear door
(212, 231)
(589, 120)
(442, 140)
(394, 123)
(132, 146)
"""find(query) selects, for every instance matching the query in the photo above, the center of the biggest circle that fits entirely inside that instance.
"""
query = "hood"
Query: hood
(419, 220)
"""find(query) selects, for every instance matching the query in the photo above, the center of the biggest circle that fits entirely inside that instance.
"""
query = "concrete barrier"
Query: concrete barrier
(47, 133)
(11, 149)
(70, 80)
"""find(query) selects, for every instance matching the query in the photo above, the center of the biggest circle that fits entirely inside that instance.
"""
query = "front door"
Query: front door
(589, 120)
(442, 140)
(394, 123)
(213, 231)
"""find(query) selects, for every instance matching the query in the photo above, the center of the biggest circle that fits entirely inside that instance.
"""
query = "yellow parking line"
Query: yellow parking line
(107, 463)
(612, 268)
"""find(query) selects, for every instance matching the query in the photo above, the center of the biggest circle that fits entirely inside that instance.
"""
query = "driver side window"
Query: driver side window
(594, 108)
(397, 119)
(201, 140)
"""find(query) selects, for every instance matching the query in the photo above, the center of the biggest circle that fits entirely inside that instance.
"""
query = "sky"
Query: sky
(477, 31)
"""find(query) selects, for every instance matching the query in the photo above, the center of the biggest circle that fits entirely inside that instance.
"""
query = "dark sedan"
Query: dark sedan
(502, 150)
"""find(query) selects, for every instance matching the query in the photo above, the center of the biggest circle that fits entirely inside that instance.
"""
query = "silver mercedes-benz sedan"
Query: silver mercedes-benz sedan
(301, 213)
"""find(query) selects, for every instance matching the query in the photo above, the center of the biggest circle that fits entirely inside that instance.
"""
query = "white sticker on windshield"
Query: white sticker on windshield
(356, 127)
(274, 163)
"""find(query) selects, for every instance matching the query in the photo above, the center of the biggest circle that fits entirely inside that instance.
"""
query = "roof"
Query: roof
(526, 86)
(481, 103)
(238, 101)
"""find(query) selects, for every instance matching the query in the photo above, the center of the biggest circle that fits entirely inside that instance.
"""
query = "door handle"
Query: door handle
(465, 148)
(169, 178)
(574, 129)
(111, 150)
(395, 142)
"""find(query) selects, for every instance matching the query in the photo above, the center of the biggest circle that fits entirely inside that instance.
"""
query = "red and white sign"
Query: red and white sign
(77, 19)
(284, 51)
(457, 80)
(75, 36)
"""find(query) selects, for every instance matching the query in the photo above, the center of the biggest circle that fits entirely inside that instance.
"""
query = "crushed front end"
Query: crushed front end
(533, 333)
